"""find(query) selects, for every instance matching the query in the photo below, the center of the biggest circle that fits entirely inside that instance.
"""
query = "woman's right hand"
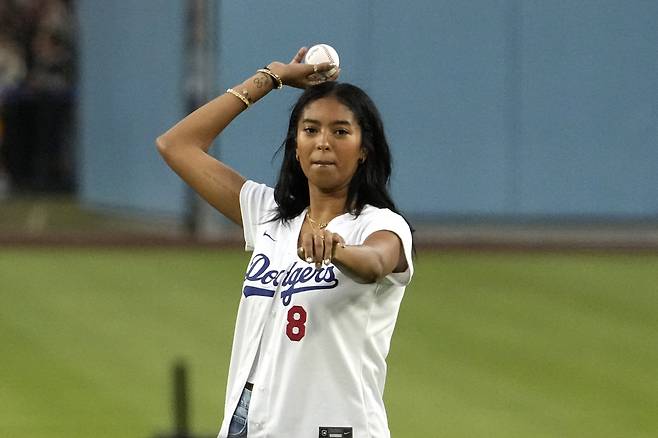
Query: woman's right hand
(299, 75)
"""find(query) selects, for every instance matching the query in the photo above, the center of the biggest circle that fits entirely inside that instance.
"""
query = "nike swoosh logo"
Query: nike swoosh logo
(267, 235)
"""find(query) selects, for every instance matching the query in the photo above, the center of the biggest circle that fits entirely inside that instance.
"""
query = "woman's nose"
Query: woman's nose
(323, 143)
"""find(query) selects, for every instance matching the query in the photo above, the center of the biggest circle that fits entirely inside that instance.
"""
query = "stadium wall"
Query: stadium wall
(495, 109)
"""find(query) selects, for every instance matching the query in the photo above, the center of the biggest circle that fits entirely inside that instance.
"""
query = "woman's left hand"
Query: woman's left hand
(319, 247)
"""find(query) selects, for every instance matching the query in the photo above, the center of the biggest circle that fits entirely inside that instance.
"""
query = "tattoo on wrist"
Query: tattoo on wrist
(259, 81)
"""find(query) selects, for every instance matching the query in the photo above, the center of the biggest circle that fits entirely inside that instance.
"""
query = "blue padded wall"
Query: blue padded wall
(130, 79)
(514, 109)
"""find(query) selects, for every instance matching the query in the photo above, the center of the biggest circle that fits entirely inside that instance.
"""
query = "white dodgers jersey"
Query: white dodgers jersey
(312, 341)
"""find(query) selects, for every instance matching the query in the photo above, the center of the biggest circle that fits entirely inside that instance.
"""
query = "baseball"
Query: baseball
(322, 53)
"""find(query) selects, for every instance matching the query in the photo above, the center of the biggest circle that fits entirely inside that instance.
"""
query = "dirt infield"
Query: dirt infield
(438, 237)
(63, 222)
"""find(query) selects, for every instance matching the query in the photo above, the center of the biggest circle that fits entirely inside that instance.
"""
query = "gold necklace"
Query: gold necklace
(320, 225)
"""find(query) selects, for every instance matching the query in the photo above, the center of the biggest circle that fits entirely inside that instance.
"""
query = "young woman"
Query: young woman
(331, 258)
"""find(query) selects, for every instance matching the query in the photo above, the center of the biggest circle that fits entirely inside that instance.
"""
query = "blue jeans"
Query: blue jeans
(238, 426)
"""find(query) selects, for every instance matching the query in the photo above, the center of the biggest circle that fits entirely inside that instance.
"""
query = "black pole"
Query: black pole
(180, 400)
(198, 83)
(180, 405)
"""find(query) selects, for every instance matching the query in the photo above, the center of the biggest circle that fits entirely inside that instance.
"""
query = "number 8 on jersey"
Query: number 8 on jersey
(296, 328)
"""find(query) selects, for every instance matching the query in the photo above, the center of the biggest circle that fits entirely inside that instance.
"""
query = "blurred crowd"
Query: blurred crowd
(37, 85)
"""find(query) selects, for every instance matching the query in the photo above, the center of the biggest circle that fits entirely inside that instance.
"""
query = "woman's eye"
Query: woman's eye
(341, 132)
(310, 130)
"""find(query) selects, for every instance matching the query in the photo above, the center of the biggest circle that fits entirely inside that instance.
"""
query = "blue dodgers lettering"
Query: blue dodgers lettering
(259, 264)
(295, 279)
(250, 290)
(323, 278)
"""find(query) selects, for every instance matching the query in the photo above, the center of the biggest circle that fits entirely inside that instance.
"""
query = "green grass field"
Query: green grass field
(487, 345)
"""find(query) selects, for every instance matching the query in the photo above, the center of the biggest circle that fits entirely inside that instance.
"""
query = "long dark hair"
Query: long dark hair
(369, 185)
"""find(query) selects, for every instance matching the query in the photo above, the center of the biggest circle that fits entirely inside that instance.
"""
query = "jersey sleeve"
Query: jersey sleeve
(257, 206)
(386, 220)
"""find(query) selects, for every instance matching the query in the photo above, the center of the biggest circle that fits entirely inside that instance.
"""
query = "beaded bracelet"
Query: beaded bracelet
(278, 83)
(239, 96)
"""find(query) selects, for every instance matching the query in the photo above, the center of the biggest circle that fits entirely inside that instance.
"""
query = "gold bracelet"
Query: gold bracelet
(244, 99)
(278, 83)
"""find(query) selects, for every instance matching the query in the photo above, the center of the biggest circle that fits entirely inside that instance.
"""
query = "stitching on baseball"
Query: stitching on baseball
(326, 52)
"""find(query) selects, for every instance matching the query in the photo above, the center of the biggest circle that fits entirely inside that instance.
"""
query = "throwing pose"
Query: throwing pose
(330, 263)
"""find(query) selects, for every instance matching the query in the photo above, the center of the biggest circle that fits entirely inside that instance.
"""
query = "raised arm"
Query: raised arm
(185, 146)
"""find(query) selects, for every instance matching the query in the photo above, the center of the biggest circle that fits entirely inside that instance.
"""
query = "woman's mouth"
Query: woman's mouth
(323, 163)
